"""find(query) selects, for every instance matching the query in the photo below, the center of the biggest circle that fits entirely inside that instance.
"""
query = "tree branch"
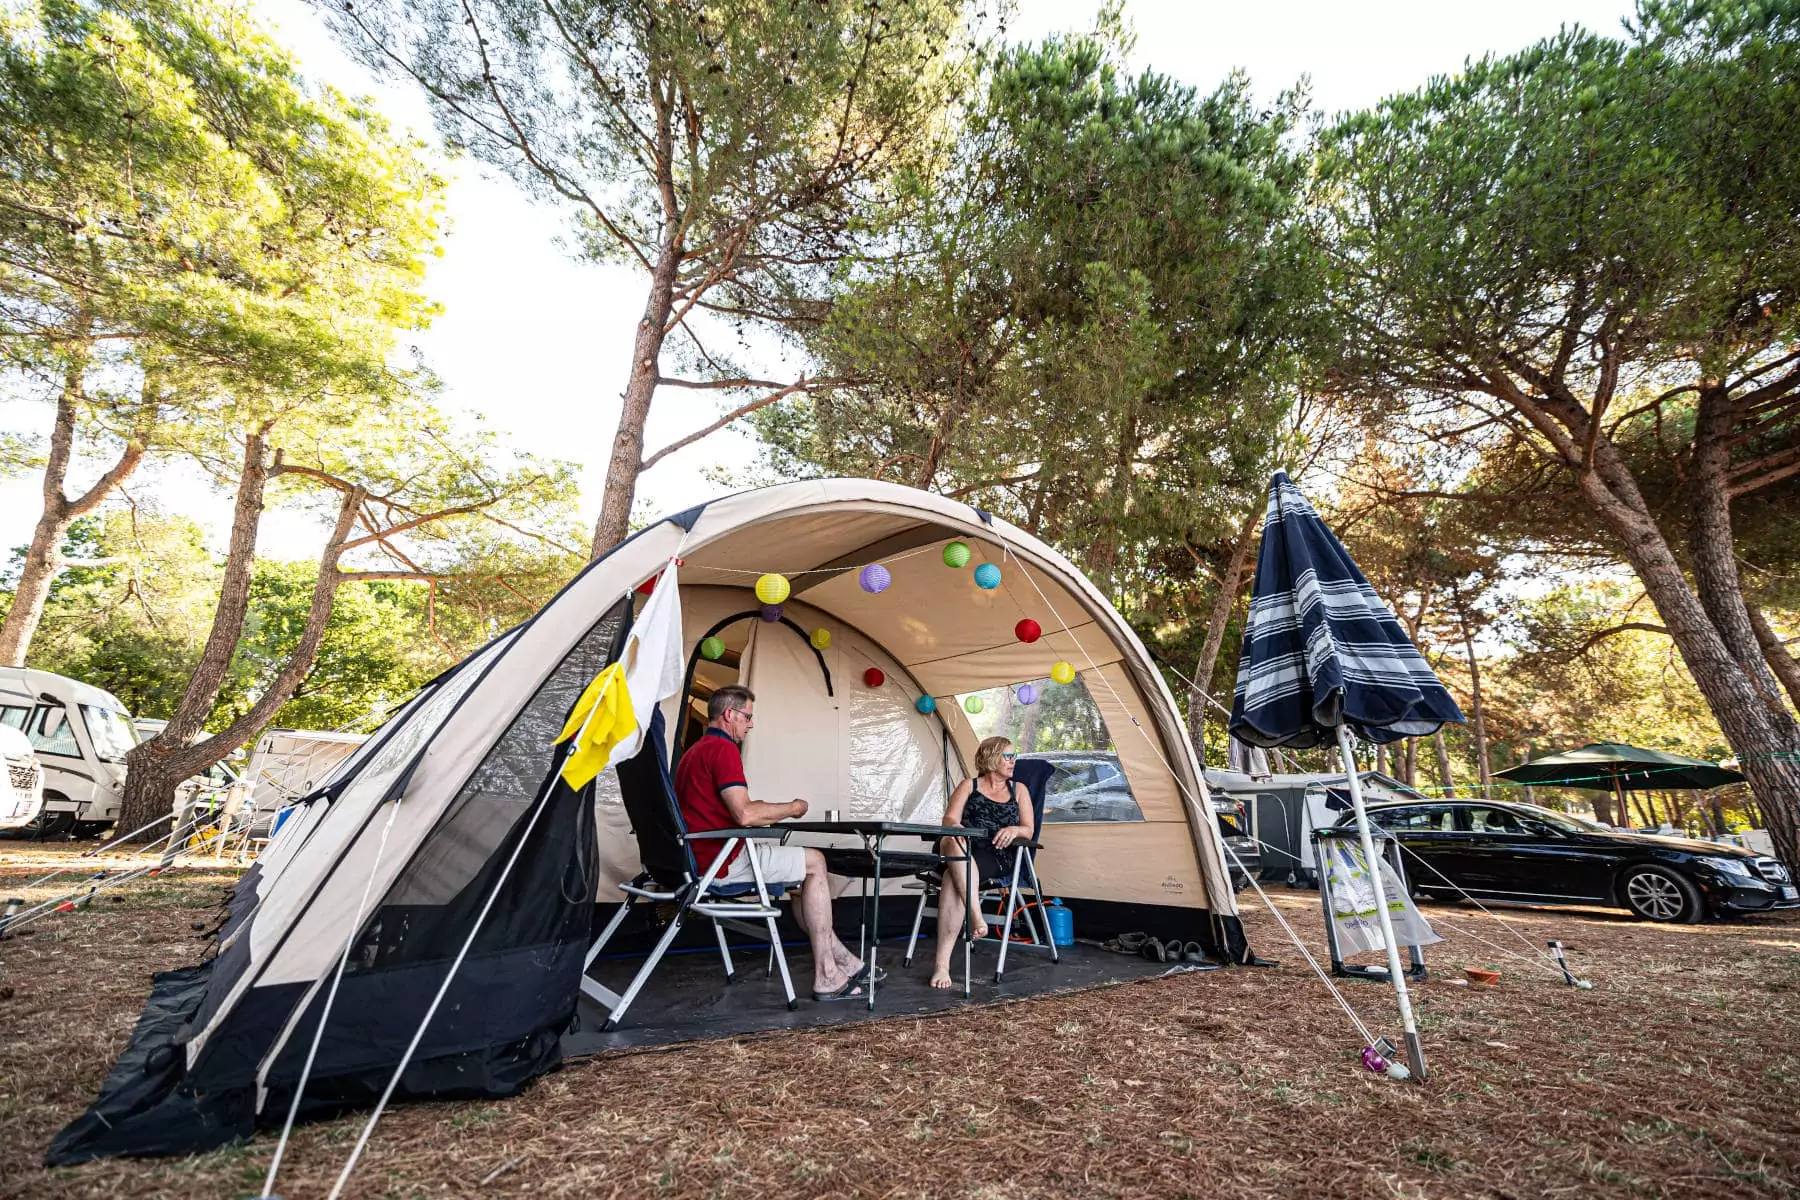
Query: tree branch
(743, 410)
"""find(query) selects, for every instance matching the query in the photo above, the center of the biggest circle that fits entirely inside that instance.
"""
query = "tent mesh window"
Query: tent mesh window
(1064, 727)
(420, 918)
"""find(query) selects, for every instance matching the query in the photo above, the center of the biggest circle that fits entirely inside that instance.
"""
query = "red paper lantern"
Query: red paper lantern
(1028, 630)
(873, 677)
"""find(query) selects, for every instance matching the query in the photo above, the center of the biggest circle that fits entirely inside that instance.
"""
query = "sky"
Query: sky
(537, 345)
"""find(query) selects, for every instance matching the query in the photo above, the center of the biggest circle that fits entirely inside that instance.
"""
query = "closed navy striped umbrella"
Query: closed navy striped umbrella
(1321, 649)
(1323, 658)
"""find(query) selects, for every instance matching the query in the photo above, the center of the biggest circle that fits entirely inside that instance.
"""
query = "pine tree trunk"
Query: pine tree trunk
(1443, 762)
(1028, 729)
(155, 768)
(1785, 666)
(42, 556)
(1712, 551)
(1477, 725)
(622, 470)
(1223, 606)
(1768, 751)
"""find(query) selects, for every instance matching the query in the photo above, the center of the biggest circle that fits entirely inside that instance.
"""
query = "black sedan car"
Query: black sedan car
(1523, 853)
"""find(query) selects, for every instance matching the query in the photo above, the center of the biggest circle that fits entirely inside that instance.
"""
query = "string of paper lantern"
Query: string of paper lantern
(773, 589)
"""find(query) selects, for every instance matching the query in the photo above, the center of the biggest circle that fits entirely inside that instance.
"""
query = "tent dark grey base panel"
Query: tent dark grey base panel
(688, 999)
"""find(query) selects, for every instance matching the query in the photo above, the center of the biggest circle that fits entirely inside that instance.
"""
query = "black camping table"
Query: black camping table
(874, 835)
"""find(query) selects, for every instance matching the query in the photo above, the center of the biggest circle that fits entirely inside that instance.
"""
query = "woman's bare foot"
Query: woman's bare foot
(978, 930)
(940, 978)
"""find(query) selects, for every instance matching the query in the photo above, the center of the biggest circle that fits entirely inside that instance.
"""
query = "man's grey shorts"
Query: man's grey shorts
(780, 864)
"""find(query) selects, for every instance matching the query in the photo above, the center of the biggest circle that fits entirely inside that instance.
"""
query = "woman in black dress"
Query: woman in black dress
(991, 802)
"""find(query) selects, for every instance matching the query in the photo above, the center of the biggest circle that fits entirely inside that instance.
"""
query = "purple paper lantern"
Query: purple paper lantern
(1027, 693)
(771, 612)
(874, 579)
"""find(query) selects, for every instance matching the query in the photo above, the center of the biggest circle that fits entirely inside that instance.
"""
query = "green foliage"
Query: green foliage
(1087, 322)
(372, 658)
(135, 624)
(177, 198)
(1064, 717)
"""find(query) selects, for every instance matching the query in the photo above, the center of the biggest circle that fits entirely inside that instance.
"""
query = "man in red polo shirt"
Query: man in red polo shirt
(712, 791)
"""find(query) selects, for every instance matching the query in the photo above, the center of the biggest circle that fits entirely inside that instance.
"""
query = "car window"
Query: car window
(1425, 819)
(1494, 820)
(50, 733)
(14, 716)
(1090, 790)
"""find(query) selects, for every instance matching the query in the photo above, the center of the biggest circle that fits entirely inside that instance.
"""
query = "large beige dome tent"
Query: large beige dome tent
(412, 831)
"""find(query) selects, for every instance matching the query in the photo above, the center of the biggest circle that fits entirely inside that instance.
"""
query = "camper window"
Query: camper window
(50, 733)
(14, 716)
(111, 731)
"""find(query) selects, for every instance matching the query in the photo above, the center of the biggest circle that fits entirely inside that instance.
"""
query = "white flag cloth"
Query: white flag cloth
(653, 660)
(609, 720)
(1353, 903)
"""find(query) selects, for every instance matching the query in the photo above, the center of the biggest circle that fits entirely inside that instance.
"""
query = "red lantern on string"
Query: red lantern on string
(1028, 630)
(873, 677)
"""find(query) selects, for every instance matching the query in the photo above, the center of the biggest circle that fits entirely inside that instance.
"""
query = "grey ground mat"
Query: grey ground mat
(689, 1000)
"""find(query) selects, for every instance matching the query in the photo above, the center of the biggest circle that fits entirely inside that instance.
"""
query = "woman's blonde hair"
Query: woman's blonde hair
(990, 754)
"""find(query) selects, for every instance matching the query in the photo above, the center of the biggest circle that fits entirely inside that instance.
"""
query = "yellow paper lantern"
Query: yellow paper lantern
(1062, 672)
(820, 639)
(772, 589)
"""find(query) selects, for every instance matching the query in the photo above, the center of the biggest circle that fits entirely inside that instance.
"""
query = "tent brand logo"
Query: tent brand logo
(1172, 884)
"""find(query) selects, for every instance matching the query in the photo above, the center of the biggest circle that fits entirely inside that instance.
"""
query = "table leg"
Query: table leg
(875, 925)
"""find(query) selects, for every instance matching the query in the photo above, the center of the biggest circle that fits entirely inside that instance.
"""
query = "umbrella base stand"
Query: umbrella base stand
(1390, 852)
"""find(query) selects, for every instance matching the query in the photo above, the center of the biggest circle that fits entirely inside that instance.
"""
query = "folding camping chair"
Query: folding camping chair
(1035, 774)
(671, 876)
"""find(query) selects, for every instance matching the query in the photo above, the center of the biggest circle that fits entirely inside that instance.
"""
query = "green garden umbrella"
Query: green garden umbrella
(1611, 767)
(1617, 768)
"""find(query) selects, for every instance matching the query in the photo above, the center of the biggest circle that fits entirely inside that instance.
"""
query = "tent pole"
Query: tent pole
(1415, 1052)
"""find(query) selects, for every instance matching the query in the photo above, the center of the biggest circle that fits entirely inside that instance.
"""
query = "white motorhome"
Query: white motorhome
(22, 786)
(81, 735)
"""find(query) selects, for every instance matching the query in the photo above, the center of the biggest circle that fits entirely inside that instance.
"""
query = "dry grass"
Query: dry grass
(1676, 1076)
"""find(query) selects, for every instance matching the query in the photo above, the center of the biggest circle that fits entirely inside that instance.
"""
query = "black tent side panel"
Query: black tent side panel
(501, 1020)
(142, 1101)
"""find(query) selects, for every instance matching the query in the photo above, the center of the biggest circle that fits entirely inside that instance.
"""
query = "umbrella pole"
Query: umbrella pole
(1415, 1053)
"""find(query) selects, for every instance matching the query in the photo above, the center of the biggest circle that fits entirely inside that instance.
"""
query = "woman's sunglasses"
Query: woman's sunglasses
(1010, 754)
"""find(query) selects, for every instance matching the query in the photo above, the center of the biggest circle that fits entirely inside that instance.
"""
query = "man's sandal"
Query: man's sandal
(852, 990)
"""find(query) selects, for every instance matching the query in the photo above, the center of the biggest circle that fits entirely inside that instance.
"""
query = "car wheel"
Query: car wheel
(52, 826)
(1658, 894)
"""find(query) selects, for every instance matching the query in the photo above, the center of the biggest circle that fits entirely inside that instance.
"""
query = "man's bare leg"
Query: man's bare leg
(832, 962)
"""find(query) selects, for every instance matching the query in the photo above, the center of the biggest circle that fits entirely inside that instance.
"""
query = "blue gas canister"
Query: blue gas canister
(1062, 923)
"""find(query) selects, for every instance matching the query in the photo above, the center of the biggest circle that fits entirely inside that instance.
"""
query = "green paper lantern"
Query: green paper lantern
(956, 554)
(974, 704)
(712, 649)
